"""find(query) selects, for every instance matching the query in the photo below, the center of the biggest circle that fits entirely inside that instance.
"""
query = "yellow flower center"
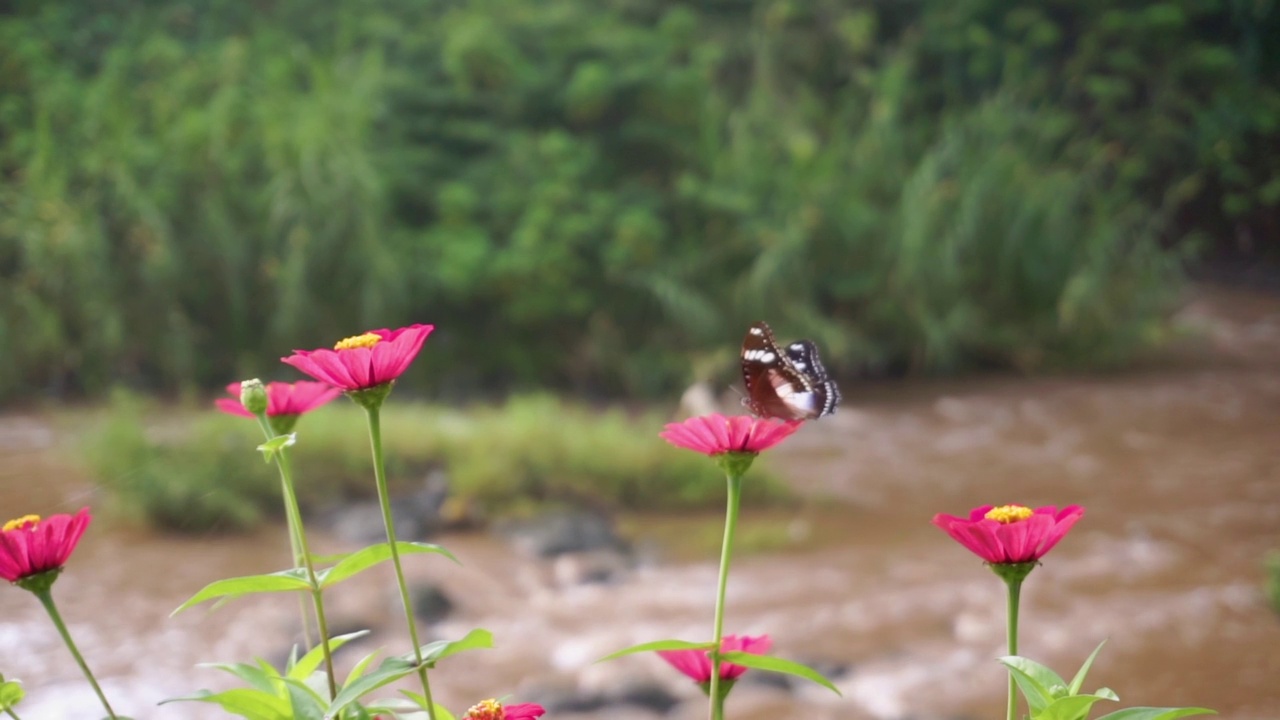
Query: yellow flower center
(487, 710)
(358, 341)
(1007, 514)
(26, 522)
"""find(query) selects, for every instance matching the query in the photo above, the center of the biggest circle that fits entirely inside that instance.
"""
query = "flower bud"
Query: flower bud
(253, 396)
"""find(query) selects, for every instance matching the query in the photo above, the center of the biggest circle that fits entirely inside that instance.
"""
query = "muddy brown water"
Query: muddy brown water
(1178, 466)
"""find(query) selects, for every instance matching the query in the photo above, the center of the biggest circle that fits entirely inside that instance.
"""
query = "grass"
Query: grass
(188, 471)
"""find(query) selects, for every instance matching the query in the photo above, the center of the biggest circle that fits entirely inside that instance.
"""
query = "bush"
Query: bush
(202, 473)
(202, 479)
(1271, 583)
(601, 212)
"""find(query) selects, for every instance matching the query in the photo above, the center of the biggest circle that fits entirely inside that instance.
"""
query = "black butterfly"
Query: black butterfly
(788, 384)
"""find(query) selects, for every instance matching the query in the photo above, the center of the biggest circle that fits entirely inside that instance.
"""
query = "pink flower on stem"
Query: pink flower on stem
(716, 434)
(30, 545)
(494, 710)
(363, 361)
(697, 663)
(282, 398)
(1010, 534)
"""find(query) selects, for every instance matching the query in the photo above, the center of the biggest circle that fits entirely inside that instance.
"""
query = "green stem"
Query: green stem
(384, 499)
(1015, 588)
(726, 553)
(12, 713)
(302, 555)
(46, 599)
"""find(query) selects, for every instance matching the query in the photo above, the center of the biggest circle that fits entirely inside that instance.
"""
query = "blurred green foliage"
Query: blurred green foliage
(598, 195)
(201, 472)
(1271, 580)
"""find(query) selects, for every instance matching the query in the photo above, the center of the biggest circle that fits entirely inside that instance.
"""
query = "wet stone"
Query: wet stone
(557, 532)
(598, 567)
(650, 698)
(430, 603)
(417, 514)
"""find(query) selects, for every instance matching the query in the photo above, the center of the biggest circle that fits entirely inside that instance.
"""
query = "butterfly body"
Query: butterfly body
(787, 383)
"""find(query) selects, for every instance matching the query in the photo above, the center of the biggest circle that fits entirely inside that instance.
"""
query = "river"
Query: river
(1177, 463)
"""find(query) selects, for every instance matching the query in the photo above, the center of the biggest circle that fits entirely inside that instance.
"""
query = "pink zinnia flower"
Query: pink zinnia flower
(363, 361)
(493, 710)
(30, 546)
(1010, 533)
(282, 398)
(697, 663)
(716, 434)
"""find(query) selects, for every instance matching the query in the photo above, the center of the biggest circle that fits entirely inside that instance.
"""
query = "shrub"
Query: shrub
(203, 474)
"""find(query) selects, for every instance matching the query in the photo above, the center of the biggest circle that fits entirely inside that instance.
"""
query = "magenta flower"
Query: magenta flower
(282, 398)
(493, 710)
(363, 361)
(697, 663)
(1010, 533)
(716, 434)
(30, 546)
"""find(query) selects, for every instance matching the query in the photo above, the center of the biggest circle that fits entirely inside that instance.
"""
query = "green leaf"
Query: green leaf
(1072, 707)
(360, 667)
(362, 560)
(357, 712)
(1078, 680)
(434, 652)
(659, 645)
(391, 669)
(306, 704)
(778, 665)
(418, 702)
(265, 680)
(276, 444)
(310, 662)
(1107, 694)
(247, 703)
(10, 694)
(1155, 713)
(1037, 682)
(283, 581)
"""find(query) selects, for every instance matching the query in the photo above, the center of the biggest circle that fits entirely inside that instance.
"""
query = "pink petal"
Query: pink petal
(328, 366)
(693, 663)
(768, 434)
(981, 538)
(392, 356)
(739, 430)
(681, 435)
(523, 711)
(359, 366)
(13, 556)
(1018, 539)
(718, 426)
(1066, 519)
(232, 407)
(980, 513)
(305, 361)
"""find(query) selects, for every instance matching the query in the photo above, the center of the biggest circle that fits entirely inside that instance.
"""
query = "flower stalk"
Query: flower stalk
(301, 553)
(1014, 585)
(735, 465)
(372, 411)
(45, 595)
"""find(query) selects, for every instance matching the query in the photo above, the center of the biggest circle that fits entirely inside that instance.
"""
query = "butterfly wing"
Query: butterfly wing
(803, 355)
(781, 384)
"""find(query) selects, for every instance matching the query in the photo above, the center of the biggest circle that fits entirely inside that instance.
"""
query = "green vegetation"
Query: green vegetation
(1271, 583)
(598, 195)
(199, 472)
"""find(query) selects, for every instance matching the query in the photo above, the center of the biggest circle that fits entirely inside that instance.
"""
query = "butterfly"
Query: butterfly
(790, 383)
